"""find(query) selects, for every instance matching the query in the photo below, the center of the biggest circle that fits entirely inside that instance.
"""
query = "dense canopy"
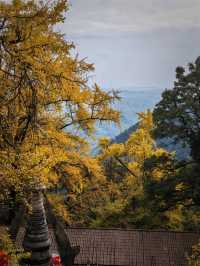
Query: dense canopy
(44, 96)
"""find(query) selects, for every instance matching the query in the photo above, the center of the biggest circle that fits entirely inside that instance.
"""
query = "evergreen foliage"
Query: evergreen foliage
(178, 113)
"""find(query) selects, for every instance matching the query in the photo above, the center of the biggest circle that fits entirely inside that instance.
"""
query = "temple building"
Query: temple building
(45, 237)
(112, 247)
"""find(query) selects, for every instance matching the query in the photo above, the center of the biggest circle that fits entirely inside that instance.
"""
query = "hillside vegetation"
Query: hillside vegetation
(170, 144)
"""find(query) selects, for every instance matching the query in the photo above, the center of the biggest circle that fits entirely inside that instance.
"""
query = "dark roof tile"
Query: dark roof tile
(131, 247)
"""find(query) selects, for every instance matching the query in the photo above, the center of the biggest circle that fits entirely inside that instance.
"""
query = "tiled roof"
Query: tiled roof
(131, 247)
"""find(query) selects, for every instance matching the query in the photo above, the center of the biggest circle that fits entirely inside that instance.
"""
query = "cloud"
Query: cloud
(104, 17)
(134, 42)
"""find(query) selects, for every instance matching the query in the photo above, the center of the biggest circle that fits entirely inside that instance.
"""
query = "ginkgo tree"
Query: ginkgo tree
(44, 98)
(132, 154)
(118, 197)
(138, 185)
(133, 167)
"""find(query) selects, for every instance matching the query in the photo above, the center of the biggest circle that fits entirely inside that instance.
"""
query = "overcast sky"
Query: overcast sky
(135, 42)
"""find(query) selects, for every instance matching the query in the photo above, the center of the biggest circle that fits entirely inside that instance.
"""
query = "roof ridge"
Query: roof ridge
(134, 230)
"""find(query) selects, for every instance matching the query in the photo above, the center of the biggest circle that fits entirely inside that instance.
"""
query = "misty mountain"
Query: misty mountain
(134, 100)
(182, 151)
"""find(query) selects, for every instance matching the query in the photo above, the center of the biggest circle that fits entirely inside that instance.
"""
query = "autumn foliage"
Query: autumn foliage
(45, 99)
(47, 112)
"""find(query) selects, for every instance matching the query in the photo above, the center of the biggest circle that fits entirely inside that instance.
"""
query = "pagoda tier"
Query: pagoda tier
(36, 240)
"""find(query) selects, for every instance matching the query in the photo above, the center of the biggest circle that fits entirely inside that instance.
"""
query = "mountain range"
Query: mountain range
(134, 100)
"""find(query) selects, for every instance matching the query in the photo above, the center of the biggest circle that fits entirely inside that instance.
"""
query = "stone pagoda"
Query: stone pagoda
(37, 240)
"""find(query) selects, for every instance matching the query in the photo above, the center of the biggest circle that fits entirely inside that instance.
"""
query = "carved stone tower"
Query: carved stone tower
(36, 239)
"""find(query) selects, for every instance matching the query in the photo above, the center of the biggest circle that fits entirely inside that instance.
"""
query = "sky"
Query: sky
(134, 43)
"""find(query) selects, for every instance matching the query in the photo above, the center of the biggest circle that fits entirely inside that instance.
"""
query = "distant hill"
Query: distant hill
(133, 100)
(182, 153)
(122, 137)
